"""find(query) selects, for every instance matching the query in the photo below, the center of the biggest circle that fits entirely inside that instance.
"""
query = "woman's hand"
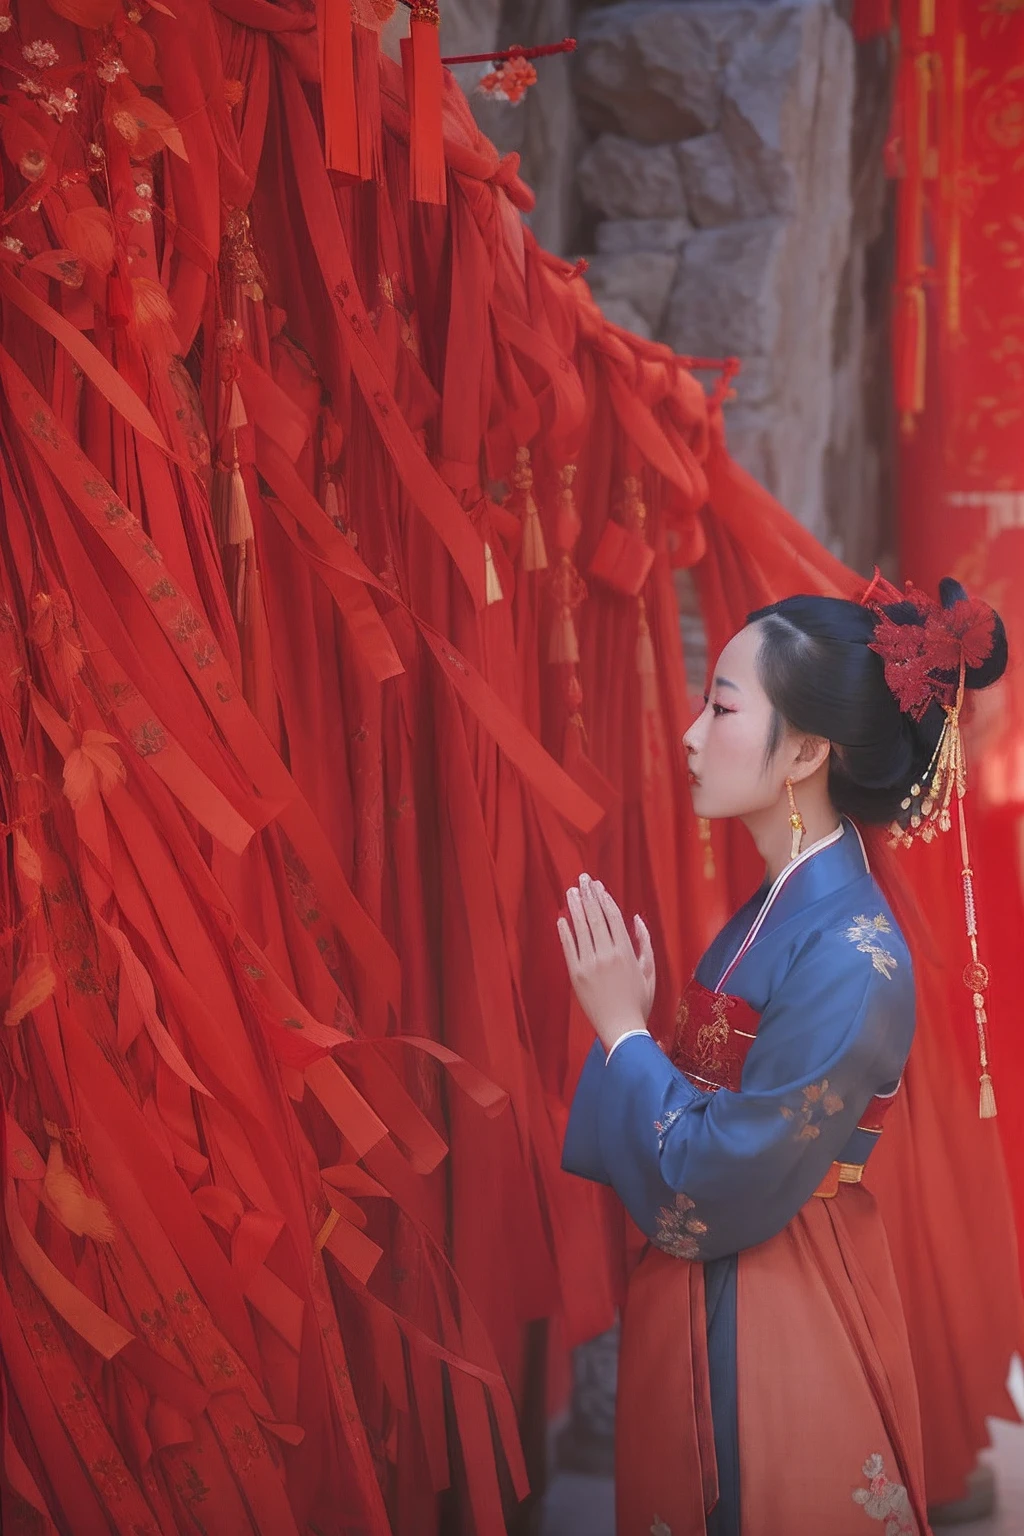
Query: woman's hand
(614, 987)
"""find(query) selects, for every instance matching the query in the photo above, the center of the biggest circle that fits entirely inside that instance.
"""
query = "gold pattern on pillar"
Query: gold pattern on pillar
(534, 552)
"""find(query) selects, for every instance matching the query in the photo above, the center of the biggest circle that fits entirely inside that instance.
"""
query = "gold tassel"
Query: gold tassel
(796, 821)
(232, 518)
(930, 812)
(232, 524)
(564, 644)
(534, 554)
(493, 584)
(236, 410)
(704, 833)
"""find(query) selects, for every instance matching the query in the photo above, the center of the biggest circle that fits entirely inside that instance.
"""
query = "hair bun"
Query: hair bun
(991, 668)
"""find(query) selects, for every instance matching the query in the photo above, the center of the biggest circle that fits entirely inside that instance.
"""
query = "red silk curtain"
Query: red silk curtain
(958, 149)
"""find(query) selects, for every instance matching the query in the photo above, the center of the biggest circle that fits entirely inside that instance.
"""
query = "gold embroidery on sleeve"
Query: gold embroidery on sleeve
(819, 1102)
(864, 933)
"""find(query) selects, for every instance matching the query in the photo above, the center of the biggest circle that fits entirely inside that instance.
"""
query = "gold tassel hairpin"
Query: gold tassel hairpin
(930, 810)
(917, 638)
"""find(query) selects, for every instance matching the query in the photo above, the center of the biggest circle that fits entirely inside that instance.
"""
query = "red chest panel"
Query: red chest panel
(713, 1034)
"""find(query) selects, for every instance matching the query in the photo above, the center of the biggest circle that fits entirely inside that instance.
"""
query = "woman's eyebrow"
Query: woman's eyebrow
(723, 682)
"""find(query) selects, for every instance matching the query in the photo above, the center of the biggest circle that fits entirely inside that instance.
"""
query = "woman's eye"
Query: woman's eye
(718, 710)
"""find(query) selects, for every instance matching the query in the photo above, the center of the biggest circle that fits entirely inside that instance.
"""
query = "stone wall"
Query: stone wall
(719, 163)
(720, 174)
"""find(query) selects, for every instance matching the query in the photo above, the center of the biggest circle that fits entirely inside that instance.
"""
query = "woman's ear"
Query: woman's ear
(814, 751)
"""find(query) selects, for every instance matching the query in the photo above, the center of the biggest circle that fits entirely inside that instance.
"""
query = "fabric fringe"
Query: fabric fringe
(368, 103)
(493, 582)
(424, 89)
(338, 85)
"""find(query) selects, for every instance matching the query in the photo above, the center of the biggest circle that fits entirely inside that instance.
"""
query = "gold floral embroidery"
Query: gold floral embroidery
(885, 1500)
(678, 1230)
(819, 1102)
(864, 933)
(713, 1037)
(659, 1528)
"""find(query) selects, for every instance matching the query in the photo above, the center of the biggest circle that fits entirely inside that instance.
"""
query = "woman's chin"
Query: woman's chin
(700, 800)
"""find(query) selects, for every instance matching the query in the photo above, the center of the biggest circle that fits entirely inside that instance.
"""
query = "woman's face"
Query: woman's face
(727, 742)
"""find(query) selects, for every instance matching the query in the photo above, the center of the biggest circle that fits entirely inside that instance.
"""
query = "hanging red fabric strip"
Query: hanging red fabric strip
(368, 104)
(424, 87)
(338, 86)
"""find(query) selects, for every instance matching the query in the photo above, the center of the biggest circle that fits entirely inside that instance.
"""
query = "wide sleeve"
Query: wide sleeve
(709, 1174)
(581, 1150)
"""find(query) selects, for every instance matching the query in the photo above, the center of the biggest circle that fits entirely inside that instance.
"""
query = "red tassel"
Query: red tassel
(368, 106)
(338, 87)
(424, 87)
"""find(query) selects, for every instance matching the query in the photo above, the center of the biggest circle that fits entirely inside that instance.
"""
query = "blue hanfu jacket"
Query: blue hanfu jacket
(707, 1174)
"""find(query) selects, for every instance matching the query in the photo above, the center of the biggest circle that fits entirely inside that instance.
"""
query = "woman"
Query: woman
(765, 1383)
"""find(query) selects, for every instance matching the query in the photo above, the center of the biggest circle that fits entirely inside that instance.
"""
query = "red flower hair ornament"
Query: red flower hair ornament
(927, 646)
(932, 651)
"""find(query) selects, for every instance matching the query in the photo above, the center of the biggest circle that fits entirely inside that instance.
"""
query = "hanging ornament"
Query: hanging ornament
(534, 553)
(424, 90)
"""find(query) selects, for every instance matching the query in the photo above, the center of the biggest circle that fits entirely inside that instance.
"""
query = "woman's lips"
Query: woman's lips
(693, 778)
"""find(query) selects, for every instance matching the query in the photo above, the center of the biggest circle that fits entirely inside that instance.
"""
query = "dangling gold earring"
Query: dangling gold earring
(796, 821)
(704, 833)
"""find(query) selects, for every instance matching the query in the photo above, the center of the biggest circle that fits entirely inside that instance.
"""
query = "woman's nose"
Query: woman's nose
(691, 740)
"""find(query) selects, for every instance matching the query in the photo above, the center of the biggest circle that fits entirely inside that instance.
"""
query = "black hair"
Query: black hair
(821, 678)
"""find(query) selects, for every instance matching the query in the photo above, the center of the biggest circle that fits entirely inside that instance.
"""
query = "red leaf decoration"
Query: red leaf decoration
(923, 659)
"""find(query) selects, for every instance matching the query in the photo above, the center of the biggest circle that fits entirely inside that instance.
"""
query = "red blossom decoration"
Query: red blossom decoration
(923, 656)
(510, 79)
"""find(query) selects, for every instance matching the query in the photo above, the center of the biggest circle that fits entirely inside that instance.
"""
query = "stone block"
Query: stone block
(619, 237)
(623, 179)
(642, 279)
(709, 180)
(726, 298)
(650, 70)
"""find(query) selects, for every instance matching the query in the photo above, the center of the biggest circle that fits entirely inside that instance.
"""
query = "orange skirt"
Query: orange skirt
(828, 1424)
